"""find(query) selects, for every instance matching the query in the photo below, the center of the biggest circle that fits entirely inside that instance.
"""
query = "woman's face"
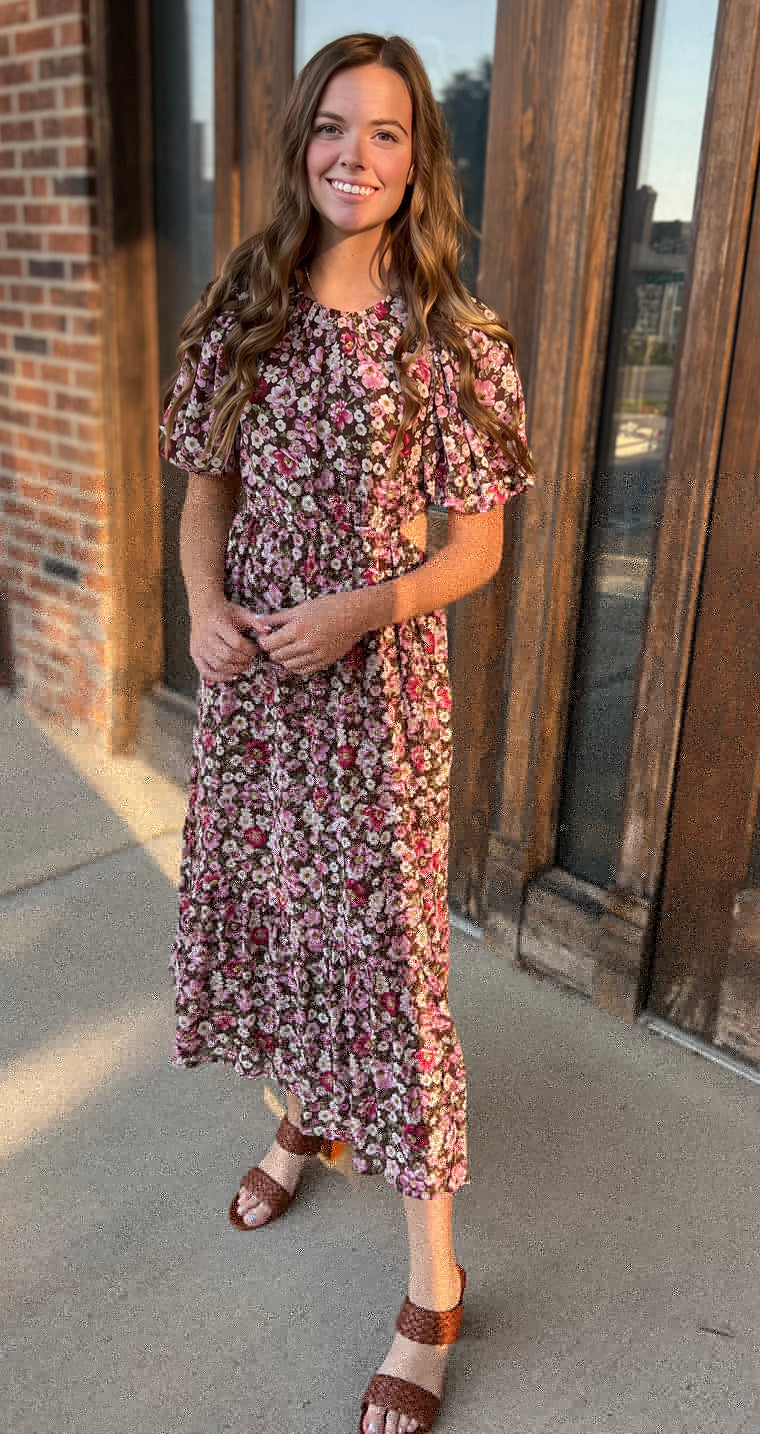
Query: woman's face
(359, 156)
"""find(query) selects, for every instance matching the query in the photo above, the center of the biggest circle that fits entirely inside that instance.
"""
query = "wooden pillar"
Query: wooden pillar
(702, 376)
(121, 51)
(563, 79)
(265, 74)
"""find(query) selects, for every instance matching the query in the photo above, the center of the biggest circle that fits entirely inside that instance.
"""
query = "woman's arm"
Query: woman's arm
(218, 646)
(313, 635)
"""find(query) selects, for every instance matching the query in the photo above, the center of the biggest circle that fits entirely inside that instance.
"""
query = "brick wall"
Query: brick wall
(52, 484)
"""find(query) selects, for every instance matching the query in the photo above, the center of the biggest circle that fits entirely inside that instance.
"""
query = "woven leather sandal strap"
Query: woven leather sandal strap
(431, 1326)
(291, 1138)
(389, 1392)
(264, 1187)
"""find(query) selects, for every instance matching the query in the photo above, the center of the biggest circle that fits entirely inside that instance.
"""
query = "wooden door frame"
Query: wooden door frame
(124, 148)
(601, 940)
(706, 972)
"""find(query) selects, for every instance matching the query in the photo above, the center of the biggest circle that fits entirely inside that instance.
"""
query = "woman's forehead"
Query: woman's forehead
(373, 91)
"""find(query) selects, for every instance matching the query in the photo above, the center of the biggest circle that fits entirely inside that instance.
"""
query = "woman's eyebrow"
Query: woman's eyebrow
(328, 114)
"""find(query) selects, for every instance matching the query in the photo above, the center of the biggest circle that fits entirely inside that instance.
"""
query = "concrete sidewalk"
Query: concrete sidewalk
(610, 1230)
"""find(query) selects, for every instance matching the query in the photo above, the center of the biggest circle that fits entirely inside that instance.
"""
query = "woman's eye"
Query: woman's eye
(386, 134)
(326, 128)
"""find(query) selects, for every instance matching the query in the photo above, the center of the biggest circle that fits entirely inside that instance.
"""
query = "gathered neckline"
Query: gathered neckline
(343, 313)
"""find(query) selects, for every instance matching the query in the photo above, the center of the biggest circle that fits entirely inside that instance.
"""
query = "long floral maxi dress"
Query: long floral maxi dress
(313, 926)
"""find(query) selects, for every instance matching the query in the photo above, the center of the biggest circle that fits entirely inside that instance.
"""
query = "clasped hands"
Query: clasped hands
(305, 639)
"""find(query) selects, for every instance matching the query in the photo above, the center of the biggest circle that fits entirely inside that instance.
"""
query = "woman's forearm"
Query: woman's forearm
(469, 559)
(208, 511)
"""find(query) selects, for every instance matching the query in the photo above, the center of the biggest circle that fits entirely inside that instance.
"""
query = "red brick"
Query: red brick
(46, 9)
(81, 216)
(78, 454)
(9, 214)
(11, 184)
(42, 99)
(46, 158)
(79, 156)
(42, 37)
(16, 73)
(12, 318)
(18, 13)
(37, 397)
(79, 352)
(85, 325)
(23, 239)
(66, 402)
(66, 127)
(64, 243)
(27, 367)
(8, 265)
(34, 443)
(61, 67)
(40, 186)
(53, 423)
(85, 272)
(74, 298)
(7, 159)
(76, 96)
(54, 373)
(43, 214)
(18, 131)
(75, 32)
(6, 103)
(26, 293)
(48, 323)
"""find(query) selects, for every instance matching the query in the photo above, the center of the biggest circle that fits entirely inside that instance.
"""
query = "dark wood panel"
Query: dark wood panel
(738, 1028)
(226, 128)
(124, 148)
(562, 89)
(715, 798)
(265, 76)
(723, 209)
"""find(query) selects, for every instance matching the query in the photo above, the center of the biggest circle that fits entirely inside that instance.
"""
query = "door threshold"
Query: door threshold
(699, 1047)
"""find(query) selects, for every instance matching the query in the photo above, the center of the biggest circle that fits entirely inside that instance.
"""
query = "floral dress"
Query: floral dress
(312, 943)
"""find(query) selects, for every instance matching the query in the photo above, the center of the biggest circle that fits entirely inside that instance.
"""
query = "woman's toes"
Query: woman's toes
(373, 1423)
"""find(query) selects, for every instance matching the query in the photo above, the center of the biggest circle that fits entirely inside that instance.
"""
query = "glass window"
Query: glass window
(182, 52)
(458, 56)
(657, 232)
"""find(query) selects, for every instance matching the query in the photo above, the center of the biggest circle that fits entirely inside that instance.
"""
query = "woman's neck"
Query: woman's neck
(347, 274)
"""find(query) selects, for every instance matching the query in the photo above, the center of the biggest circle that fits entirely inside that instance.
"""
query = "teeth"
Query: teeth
(351, 188)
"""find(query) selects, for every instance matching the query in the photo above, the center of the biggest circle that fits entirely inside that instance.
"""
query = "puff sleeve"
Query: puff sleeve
(469, 472)
(186, 447)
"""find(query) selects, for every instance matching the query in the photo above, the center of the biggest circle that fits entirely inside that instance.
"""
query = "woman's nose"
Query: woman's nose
(354, 151)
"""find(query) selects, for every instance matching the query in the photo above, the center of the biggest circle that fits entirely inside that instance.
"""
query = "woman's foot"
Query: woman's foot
(423, 1364)
(283, 1167)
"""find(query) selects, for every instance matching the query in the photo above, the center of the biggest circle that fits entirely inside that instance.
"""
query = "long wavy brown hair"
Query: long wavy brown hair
(420, 260)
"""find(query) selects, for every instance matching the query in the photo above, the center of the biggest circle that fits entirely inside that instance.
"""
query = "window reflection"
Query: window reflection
(458, 56)
(647, 310)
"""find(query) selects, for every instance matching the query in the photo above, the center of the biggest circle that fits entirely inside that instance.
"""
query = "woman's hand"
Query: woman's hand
(312, 636)
(219, 646)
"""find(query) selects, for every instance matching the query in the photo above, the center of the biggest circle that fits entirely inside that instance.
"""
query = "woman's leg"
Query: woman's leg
(281, 1165)
(434, 1283)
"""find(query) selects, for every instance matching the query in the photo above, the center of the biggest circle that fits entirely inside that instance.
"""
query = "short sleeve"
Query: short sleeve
(193, 419)
(470, 472)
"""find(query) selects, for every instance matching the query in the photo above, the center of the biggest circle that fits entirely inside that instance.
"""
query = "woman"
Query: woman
(335, 380)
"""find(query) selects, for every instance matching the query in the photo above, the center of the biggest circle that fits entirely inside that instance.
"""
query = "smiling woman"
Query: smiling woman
(358, 168)
(340, 373)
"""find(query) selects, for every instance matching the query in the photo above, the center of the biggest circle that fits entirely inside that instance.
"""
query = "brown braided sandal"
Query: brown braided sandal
(270, 1191)
(426, 1327)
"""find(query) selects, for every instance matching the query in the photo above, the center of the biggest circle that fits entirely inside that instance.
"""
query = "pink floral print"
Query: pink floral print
(312, 943)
